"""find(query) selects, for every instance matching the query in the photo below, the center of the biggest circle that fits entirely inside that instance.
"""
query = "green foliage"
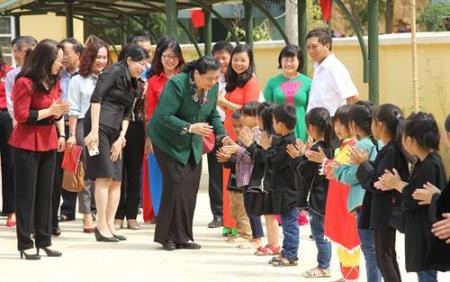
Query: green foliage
(261, 32)
(435, 16)
(111, 29)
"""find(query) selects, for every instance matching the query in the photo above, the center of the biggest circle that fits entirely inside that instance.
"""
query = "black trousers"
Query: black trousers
(133, 154)
(69, 198)
(179, 195)
(6, 162)
(386, 255)
(215, 184)
(33, 187)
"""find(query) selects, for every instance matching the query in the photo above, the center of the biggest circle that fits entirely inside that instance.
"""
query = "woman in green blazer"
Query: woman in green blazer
(186, 112)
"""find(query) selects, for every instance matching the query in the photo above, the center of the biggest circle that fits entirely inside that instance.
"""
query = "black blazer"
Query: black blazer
(439, 257)
(284, 180)
(418, 236)
(115, 91)
(313, 187)
(382, 209)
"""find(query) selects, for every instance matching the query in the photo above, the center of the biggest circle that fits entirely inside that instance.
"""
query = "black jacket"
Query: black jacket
(439, 257)
(418, 236)
(284, 180)
(313, 187)
(116, 91)
(382, 209)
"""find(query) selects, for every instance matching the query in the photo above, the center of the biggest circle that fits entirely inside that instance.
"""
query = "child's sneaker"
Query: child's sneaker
(234, 232)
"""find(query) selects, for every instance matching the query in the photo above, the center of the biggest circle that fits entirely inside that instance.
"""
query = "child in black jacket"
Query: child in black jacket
(313, 186)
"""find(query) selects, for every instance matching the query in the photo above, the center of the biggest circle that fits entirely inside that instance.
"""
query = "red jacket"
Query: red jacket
(30, 134)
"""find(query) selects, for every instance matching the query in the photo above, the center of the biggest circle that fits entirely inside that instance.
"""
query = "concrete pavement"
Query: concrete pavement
(139, 259)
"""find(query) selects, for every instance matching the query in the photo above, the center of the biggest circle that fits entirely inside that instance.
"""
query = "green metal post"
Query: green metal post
(208, 32)
(373, 52)
(248, 23)
(171, 17)
(17, 25)
(69, 18)
(302, 25)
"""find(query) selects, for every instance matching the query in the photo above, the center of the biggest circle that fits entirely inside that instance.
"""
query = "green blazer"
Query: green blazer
(176, 110)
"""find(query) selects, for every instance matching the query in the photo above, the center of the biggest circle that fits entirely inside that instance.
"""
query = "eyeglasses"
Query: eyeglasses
(169, 57)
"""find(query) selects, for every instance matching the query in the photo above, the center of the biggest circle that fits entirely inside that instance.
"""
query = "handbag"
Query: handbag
(209, 142)
(74, 181)
(71, 158)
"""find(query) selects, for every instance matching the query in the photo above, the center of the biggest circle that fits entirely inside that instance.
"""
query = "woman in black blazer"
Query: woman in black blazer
(106, 124)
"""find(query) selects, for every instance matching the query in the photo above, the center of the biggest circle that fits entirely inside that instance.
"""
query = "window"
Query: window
(6, 35)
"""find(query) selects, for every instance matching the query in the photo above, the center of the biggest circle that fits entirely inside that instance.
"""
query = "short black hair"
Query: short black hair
(222, 46)
(133, 51)
(236, 115)
(423, 128)
(202, 65)
(166, 42)
(76, 45)
(447, 124)
(250, 109)
(140, 36)
(287, 115)
(342, 115)
(323, 35)
(290, 51)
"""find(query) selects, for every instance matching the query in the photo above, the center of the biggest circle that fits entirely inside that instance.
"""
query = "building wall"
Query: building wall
(49, 26)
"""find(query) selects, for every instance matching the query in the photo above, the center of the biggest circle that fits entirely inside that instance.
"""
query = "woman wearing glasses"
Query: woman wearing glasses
(166, 63)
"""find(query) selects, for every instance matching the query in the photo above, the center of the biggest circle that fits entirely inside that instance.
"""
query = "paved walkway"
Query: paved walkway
(139, 259)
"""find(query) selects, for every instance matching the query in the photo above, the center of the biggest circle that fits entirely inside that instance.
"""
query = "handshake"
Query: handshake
(58, 108)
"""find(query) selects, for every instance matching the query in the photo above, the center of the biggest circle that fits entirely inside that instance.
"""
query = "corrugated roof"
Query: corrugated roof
(105, 7)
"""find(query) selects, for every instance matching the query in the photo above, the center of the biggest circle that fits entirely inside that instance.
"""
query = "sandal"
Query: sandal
(268, 251)
(317, 272)
(275, 259)
(284, 261)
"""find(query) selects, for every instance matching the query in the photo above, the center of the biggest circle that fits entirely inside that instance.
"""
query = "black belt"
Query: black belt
(46, 121)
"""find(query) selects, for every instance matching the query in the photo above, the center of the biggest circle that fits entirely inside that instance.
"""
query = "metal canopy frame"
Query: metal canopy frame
(116, 11)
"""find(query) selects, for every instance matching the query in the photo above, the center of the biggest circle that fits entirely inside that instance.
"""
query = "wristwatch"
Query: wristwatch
(185, 130)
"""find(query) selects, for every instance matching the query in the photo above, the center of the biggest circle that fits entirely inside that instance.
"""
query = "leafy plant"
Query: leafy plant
(260, 32)
(435, 16)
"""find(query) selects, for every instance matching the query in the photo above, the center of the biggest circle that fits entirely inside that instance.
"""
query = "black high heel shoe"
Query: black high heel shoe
(29, 256)
(120, 237)
(100, 238)
(50, 252)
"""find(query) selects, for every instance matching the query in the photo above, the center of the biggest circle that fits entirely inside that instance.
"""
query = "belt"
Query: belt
(46, 121)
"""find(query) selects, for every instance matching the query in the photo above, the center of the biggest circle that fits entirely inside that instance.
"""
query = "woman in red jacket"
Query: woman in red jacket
(166, 63)
(37, 108)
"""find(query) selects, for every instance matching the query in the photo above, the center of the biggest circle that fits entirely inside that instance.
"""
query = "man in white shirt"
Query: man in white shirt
(332, 85)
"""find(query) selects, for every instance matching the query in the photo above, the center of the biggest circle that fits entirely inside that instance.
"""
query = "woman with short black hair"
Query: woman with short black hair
(186, 112)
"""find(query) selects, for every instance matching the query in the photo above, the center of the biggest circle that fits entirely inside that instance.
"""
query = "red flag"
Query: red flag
(198, 18)
(326, 9)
